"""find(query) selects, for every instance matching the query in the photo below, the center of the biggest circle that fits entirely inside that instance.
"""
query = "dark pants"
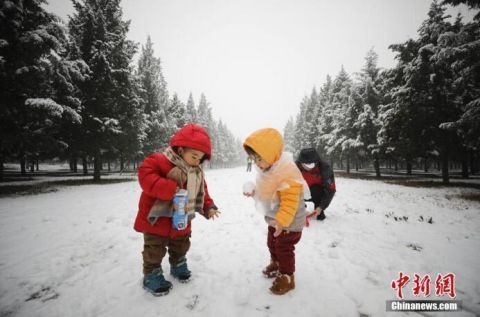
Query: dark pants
(317, 193)
(282, 249)
(155, 247)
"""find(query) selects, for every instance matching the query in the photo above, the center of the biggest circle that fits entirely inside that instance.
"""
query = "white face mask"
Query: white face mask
(308, 166)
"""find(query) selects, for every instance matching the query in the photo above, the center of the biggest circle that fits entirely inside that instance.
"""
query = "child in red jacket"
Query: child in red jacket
(161, 175)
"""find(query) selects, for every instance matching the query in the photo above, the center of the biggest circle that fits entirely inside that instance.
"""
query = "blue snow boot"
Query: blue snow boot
(180, 270)
(156, 284)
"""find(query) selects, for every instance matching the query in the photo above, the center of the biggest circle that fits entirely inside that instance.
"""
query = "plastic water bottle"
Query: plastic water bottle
(179, 218)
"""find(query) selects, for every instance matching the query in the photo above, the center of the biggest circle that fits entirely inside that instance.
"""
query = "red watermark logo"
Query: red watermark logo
(444, 285)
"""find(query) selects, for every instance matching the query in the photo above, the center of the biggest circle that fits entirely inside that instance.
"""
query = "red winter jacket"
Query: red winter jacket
(152, 177)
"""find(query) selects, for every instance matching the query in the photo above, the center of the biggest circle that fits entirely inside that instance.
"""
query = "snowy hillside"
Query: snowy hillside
(74, 253)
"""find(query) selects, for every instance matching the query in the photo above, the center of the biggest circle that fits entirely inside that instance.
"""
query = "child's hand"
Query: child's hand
(278, 228)
(318, 211)
(213, 213)
(249, 189)
(251, 194)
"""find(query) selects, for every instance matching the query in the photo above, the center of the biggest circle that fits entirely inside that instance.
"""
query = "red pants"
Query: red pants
(282, 249)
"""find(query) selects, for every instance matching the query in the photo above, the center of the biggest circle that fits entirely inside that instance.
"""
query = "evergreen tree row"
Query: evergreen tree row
(424, 110)
(72, 92)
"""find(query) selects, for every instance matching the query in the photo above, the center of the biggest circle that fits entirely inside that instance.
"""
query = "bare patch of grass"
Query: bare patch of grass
(49, 187)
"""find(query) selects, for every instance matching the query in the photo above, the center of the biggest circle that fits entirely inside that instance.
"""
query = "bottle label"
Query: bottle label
(180, 217)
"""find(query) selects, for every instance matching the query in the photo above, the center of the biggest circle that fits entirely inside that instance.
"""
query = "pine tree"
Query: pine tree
(352, 144)
(38, 83)
(461, 50)
(112, 110)
(312, 110)
(474, 4)
(152, 82)
(177, 111)
(191, 111)
(325, 115)
(397, 135)
(300, 140)
(154, 94)
(221, 145)
(289, 135)
(334, 134)
(433, 91)
(368, 124)
(204, 112)
(426, 96)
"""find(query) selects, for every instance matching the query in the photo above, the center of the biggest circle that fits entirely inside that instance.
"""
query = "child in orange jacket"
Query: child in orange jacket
(279, 194)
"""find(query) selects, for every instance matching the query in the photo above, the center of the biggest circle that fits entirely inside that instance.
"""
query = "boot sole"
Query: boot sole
(182, 280)
(281, 293)
(158, 294)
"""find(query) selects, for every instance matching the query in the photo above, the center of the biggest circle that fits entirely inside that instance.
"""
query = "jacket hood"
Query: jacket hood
(195, 137)
(308, 155)
(267, 142)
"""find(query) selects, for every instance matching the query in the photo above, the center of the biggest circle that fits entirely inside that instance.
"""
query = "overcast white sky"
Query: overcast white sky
(256, 59)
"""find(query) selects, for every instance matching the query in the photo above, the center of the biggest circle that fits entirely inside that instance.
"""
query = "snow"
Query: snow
(74, 253)
(248, 188)
(47, 104)
(22, 70)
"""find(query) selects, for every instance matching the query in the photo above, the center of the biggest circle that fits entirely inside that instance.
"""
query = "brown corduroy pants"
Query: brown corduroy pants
(156, 247)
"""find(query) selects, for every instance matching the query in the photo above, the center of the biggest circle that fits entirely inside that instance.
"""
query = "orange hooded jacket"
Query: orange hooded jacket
(283, 181)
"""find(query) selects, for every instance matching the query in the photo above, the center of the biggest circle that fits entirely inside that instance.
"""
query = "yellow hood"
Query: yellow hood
(268, 143)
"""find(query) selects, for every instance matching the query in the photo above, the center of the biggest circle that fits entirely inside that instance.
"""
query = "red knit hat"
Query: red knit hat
(195, 137)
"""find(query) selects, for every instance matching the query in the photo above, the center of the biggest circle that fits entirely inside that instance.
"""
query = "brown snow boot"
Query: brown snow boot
(271, 270)
(282, 284)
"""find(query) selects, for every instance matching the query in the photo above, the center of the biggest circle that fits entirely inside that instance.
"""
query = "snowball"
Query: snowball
(248, 188)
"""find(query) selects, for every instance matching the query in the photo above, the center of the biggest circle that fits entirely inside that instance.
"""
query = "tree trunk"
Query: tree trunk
(74, 164)
(445, 164)
(445, 174)
(473, 169)
(108, 164)
(96, 167)
(22, 165)
(121, 163)
(1, 166)
(396, 166)
(409, 168)
(425, 161)
(465, 168)
(37, 165)
(376, 164)
(356, 165)
(348, 164)
(85, 165)
(32, 166)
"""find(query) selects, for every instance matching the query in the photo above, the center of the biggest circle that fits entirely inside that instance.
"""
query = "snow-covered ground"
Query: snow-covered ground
(74, 253)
